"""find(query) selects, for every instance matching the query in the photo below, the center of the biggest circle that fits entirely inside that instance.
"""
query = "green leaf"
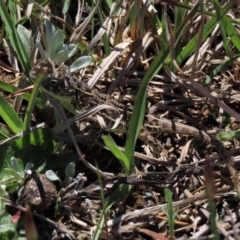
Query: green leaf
(3, 193)
(10, 116)
(139, 106)
(80, 63)
(6, 153)
(117, 153)
(41, 167)
(61, 56)
(26, 39)
(17, 165)
(66, 6)
(40, 138)
(4, 133)
(227, 27)
(72, 48)
(7, 228)
(29, 166)
(207, 29)
(49, 32)
(52, 176)
(228, 136)
(119, 193)
(69, 173)
(39, 46)
(14, 38)
(219, 68)
(57, 42)
(31, 102)
(10, 172)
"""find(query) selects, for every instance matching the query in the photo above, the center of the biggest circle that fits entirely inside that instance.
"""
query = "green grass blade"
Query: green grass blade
(208, 27)
(13, 11)
(108, 3)
(170, 212)
(104, 207)
(219, 68)
(138, 113)
(27, 119)
(14, 39)
(31, 102)
(109, 142)
(104, 37)
(120, 192)
(226, 26)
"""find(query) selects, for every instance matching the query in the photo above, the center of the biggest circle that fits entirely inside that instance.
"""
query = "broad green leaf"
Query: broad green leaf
(52, 176)
(26, 39)
(66, 6)
(57, 42)
(41, 138)
(80, 63)
(63, 47)
(49, 32)
(69, 173)
(9, 116)
(61, 56)
(72, 48)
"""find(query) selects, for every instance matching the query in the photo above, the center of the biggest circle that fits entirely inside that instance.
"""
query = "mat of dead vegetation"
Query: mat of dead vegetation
(182, 182)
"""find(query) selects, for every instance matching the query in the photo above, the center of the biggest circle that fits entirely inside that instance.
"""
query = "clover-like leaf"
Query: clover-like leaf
(80, 63)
